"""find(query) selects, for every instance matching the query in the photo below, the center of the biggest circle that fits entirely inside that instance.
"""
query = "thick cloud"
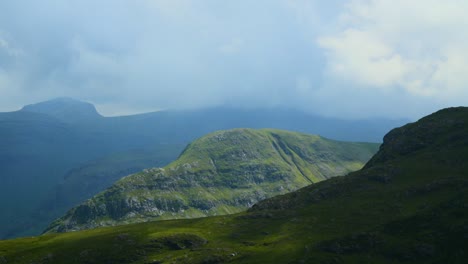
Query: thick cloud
(414, 50)
(349, 59)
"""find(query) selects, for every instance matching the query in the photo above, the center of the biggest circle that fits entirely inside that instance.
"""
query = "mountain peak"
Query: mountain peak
(65, 108)
(444, 128)
(223, 172)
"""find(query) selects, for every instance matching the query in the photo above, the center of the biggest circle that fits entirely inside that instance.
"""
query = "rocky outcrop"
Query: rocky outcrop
(222, 173)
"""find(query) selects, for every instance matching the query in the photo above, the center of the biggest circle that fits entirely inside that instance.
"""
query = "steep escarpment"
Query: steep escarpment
(222, 173)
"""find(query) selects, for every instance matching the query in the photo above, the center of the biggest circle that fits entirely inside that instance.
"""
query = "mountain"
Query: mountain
(65, 109)
(222, 173)
(90, 178)
(407, 205)
(58, 153)
(31, 162)
(37, 151)
(94, 176)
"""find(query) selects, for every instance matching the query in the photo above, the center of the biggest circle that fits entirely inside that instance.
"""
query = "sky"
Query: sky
(350, 59)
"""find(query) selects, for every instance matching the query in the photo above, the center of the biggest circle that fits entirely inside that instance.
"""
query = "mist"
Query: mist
(347, 59)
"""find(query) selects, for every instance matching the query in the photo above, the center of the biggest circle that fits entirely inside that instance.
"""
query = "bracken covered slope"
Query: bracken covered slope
(222, 173)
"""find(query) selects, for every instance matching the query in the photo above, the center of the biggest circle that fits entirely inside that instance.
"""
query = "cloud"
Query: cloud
(361, 57)
(90, 63)
(419, 46)
(336, 57)
(10, 51)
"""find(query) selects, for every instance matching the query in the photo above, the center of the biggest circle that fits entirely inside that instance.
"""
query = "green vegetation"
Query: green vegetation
(408, 205)
(222, 173)
(82, 183)
(50, 148)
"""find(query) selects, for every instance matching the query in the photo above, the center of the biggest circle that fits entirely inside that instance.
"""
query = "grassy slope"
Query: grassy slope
(42, 143)
(408, 205)
(222, 173)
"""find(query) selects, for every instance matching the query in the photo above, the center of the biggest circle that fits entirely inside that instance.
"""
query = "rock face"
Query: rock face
(224, 172)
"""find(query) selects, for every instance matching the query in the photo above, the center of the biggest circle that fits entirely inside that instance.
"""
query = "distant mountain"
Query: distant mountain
(65, 109)
(222, 173)
(43, 143)
(90, 178)
(407, 205)
(38, 149)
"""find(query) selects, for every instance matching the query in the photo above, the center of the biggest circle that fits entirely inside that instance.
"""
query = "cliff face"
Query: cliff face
(222, 173)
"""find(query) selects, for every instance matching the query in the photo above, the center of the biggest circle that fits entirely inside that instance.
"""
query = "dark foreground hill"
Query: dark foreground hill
(408, 205)
(56, 154)
(222, 173)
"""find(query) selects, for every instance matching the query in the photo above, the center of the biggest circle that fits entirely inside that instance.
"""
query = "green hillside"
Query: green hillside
(58, 153)
(408, 205)
(222, 173)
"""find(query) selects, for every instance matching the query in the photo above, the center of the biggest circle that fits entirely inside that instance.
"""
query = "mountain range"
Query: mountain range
(407, 205)
(224, 172)
(56, 154)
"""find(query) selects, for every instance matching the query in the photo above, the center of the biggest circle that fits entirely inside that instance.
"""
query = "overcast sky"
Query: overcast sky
(352, 59)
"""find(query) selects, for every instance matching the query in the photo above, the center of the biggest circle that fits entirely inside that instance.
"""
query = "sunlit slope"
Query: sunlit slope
(222, 173)
(408, 205)
(64, 146)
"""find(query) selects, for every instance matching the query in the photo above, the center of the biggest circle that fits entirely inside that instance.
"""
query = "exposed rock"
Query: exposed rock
(222, 173)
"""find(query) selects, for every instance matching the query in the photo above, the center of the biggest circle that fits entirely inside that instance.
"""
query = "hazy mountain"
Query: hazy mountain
(407, 205)
(65, 109)
(37, 149)
(222, 173)
(44, 143)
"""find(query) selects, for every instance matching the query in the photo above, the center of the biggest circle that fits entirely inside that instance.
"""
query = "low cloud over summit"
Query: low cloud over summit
(352, 59)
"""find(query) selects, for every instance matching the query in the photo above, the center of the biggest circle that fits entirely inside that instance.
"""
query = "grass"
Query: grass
(221, 173)
(405, 206)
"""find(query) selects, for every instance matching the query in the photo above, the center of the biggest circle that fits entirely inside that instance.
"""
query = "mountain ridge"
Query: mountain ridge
(223, 172)
(37, 150)
(408, 208)
(65, 109)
